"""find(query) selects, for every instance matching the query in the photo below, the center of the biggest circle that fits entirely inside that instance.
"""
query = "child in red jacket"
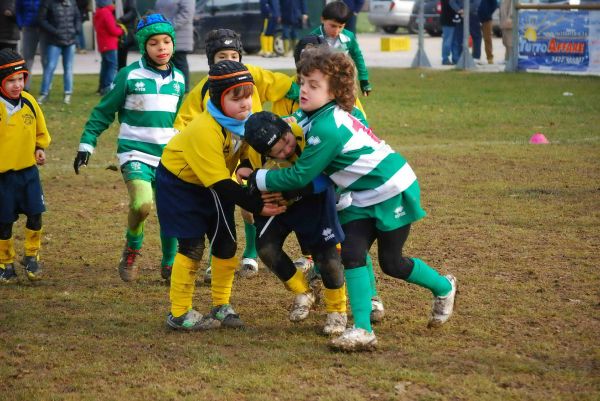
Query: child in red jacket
(107, 35)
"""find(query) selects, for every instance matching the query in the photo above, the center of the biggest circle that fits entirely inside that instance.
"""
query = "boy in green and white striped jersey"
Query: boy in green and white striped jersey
(380, 189)
(146, 96)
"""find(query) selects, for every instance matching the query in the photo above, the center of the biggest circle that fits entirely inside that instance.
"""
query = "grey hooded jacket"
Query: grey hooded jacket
(181, 14)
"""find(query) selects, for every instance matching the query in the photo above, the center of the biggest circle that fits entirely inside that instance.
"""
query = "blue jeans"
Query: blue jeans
(450, 51)
(30, 37)
(80, 40)
(52, 54)
(108, 70)
(475, 32)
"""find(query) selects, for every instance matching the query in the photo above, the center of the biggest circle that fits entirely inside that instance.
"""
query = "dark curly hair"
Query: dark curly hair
(338, 67)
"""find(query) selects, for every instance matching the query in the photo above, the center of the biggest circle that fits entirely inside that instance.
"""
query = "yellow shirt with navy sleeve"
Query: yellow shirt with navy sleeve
(269, 86)
(21, 133)
(285, 106)
(204, 153)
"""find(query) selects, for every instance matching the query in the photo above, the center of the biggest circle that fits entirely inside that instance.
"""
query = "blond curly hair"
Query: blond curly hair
(339, 69)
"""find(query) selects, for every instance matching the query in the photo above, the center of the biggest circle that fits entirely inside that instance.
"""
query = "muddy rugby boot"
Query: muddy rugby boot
(443, 306)
(128, 270)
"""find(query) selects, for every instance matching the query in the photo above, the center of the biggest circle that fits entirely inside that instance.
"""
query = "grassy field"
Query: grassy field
(518, 224)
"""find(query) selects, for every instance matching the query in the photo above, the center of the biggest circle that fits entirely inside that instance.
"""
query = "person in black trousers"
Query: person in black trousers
(128, 19)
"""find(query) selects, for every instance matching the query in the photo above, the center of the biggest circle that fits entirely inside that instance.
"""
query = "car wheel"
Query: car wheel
(390, 29)
(198, 44)
(413, 26)
(278, 46)
(251, 49)
(433, 33)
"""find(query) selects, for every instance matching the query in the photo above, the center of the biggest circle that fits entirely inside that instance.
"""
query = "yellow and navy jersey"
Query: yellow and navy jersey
(21, 131)
(286, 107)
(269, 86)
(204, 153)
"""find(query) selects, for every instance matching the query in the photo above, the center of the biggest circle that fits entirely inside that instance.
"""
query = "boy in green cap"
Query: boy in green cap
(147, 95)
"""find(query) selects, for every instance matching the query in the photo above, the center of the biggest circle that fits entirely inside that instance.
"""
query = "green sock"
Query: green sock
(429, 278)
(169, 249)
(250, 250)
(209, 257)
(135, 241)
(371, 276)
(359, 293)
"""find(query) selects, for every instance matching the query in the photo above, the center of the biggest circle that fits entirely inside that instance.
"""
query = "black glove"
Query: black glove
(251, 185)
(81, 159)
(365, 87)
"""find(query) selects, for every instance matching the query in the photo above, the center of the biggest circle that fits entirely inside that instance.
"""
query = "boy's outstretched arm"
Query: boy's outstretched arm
(100, 119)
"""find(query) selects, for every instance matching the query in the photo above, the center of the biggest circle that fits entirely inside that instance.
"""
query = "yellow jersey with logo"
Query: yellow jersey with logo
(22, 130)
(204, 153)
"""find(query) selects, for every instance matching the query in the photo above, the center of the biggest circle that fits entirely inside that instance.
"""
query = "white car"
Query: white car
(390, 15)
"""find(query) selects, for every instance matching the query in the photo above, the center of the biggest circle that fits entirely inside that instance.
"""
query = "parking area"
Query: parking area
(370, 44)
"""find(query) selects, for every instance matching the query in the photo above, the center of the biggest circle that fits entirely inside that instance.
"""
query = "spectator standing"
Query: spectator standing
(27, 11)
(474, 26)
(84, 10)
(181, 14)
(448, 19)
(355, 6)
(9, 31)
(129, 20)
(271, 12)
(485, 11)
(107, 35)
(294, 15)
(506, 25)
(60, 22)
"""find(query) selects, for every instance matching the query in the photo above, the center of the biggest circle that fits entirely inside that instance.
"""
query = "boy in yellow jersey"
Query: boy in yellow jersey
(272, 140)
(195, 197)
(225, 44)
(23, 138)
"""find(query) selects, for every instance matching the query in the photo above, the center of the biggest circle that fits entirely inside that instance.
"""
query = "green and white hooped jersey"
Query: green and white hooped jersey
(347, 151)
(146, 104)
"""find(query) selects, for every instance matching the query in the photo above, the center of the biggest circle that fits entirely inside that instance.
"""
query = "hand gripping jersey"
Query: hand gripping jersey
(343, 148)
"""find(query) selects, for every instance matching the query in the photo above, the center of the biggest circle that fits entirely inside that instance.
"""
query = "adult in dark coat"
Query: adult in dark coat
(60, 22)
(294, 15)
(27, 11)
(9, 31)
(355, 6)
(84, 6)
(129, 20)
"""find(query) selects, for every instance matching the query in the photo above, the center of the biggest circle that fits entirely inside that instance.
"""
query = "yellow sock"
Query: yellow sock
(297, 284)
(7, 251)
(183, 283)
(335, 300)
(33, 241)
(223, 271)
(269, 43)
(263, 45)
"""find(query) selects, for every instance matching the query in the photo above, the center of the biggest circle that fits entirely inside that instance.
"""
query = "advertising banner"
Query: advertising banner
(559, 40)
